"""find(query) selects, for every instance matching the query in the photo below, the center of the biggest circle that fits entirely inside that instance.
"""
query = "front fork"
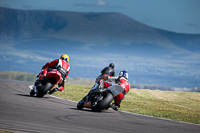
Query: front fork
(37, 85)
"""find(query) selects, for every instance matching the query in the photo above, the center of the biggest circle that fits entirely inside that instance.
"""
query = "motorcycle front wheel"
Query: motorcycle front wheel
(80, 105)
(32, 93)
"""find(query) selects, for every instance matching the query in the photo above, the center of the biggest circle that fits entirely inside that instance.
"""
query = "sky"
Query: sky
(181, 16)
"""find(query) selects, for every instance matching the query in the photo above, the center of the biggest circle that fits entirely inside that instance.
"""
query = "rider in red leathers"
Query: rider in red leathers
(63, 63)
(123, 81)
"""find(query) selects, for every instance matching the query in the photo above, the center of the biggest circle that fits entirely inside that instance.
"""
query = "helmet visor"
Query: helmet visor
(65, 59)
(123, 74)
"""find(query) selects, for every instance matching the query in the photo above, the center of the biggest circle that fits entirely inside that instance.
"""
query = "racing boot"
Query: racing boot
(53, 90)
(114, 106)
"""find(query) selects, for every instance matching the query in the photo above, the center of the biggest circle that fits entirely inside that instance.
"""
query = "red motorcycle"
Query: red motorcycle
(44, 84)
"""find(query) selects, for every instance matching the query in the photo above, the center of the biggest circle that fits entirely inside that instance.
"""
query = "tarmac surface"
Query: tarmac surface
(22, 113)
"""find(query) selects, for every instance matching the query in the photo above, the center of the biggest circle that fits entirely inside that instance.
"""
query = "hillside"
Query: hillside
(72, 26)
(31, 38)
(82, 27)
(22, 76)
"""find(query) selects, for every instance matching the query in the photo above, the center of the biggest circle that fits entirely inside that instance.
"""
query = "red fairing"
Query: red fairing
(57, 75)
(125, 84)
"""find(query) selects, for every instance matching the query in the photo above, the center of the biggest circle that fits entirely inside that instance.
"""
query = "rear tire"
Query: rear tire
(104, 104)
(43, 91)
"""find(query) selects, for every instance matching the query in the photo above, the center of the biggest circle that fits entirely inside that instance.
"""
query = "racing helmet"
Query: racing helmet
(124, 74)
(65, 57)
(111, 65)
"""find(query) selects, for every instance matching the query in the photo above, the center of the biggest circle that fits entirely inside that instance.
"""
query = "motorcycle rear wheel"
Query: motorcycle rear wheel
(44, 90)
(103, 104)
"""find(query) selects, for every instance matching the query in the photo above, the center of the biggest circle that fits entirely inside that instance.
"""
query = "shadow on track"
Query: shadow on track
(26, 95)
(89, 110)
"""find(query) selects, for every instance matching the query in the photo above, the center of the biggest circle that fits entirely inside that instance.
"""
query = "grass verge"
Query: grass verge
(180, 106)
(4, 131)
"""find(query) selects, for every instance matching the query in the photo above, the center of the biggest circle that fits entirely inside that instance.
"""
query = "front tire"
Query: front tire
(103, 104)
(80, 105)
(32, 92)
(43, 91)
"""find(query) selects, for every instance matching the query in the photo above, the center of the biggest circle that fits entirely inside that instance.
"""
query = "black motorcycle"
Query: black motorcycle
(100, 98)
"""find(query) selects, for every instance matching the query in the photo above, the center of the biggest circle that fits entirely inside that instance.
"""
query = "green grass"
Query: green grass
(22, 76)
(74, 92)
(180, 106)
(4, 131)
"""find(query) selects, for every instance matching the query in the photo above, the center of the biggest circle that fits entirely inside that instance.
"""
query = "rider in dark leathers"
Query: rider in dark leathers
(109, 70)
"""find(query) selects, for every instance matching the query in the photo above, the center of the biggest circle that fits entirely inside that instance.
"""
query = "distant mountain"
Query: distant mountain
(76, 26)
(30, 38)
(81, 27)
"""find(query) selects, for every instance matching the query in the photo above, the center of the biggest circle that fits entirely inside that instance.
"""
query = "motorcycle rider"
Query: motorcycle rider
(123, 81)
(105, 81)
(55, 64)
(109, 70)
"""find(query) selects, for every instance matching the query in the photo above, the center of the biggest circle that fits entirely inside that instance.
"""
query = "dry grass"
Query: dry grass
(4, 131)
(181, 106)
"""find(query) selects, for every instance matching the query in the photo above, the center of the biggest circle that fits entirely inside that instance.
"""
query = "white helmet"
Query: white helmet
(124, 74)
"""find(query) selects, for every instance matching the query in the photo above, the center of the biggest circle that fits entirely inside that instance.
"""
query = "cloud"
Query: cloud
(99, 3)
(8, 52)
(192, 25)
(87, 46)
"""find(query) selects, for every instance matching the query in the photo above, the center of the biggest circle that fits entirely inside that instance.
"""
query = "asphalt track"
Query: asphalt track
(20, 112)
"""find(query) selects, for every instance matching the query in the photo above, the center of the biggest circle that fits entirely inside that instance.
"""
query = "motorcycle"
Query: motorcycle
(44, 84)
(100, 98)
